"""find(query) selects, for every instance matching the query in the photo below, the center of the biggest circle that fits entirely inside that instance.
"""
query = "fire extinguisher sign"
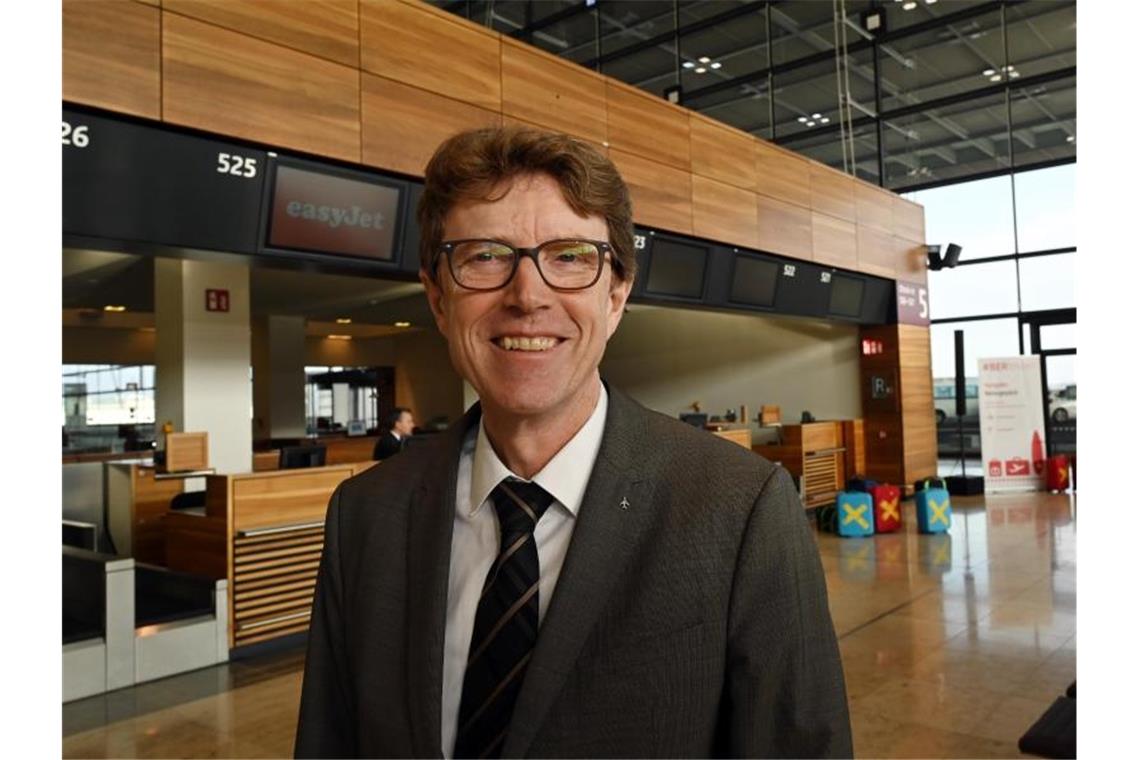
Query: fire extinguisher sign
(1012, 423)
(217, 300)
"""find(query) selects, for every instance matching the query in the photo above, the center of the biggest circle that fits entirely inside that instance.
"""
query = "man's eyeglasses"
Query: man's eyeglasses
(568, 264)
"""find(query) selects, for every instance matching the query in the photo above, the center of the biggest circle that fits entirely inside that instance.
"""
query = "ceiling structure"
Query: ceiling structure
(942, 91)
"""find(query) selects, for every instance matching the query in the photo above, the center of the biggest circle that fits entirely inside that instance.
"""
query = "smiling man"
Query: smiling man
(563, 573)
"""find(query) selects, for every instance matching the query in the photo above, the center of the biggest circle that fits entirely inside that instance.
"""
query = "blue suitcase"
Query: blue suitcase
(855, 515)
(932, 506)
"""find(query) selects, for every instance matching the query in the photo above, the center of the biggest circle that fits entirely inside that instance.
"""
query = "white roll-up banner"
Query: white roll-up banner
(1012, 421)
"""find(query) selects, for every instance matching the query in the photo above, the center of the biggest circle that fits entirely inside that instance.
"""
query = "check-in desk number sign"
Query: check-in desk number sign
(75, 135)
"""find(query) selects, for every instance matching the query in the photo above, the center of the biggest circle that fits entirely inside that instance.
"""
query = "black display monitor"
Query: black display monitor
(296, 457)
(754, 281)
(676, 269)
(694, 419)
(321, 209)
(846, 296)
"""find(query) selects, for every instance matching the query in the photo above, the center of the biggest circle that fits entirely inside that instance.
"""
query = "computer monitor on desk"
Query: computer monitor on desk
(696, 420)
(293, 457)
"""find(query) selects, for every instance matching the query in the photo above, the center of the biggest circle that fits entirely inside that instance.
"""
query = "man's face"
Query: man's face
(526, 383)
(406, 424)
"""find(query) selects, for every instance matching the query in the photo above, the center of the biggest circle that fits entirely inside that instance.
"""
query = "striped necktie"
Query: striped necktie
(506, 623)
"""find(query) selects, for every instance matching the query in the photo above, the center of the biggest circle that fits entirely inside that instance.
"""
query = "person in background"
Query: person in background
(400, 425)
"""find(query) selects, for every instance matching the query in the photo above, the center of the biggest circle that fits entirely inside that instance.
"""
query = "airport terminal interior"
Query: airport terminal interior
(856, 239)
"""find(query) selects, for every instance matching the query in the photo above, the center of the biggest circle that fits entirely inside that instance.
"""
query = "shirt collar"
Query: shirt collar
(564, 477)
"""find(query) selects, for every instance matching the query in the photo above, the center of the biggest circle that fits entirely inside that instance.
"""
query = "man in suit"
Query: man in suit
(563, 572)
(399, 425)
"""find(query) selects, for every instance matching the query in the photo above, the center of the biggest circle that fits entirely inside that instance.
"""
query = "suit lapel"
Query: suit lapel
(430, 524)
(605, 537)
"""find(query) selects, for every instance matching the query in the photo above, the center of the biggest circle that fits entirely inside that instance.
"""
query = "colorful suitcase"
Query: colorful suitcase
(855, 514)
(932, 506)
(888, 511)
(825, 516)
(929, 483)
(1057, 473)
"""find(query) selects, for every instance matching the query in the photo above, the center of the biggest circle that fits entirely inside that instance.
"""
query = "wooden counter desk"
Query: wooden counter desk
(137, 498)
(263, 531)
(822, 454)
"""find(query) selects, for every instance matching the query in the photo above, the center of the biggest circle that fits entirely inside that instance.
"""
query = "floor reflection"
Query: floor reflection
(952, 645)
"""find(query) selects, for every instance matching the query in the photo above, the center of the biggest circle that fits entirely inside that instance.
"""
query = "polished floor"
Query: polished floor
(952, 646)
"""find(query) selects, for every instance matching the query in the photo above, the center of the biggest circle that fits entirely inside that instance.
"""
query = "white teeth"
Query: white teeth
(526, 344)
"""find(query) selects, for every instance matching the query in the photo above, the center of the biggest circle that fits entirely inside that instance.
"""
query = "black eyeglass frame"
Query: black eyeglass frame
(448, 246)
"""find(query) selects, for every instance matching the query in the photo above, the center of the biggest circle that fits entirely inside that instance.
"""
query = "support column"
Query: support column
(278, 377)
(202, 357)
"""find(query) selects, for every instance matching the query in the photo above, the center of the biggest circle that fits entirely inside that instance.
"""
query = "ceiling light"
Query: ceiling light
(1070, 138)
(343, 321)
(810, 124)
(704, 59)
(815, 116)
(802, 119)
(931, 2)
(110, 307)
(403, 324)
(688, 64)
(700, 69)
(1014, 74)
(824, 120)
(910, 6)
(714, 65)
(988, 73)
(995, 78)
(340, 337)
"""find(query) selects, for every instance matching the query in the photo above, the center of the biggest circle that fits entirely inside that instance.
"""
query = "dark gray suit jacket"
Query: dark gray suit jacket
(693, 622)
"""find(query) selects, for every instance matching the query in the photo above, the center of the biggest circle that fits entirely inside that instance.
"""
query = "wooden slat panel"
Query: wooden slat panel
(272, 572)
(325, 28)
(662, 196)
(908, 220)
(782, 175)
(275, 626)
(280, 588)
(832, 192)
(401, 126)
(281, 581)
(245, 560)
(877, 253)
(251, 565)
(633, 115)
(783, 228)
(283, 542)
(833, 241)
(230, 83)
(251, 543)
(874, 207)
(556, 94)
(247, 639)
(286, 603)
(436, 51)
(723, 212)
(112, 56)
(718, 150)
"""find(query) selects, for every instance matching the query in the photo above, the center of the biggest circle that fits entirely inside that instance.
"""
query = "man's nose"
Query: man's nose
(527, 290)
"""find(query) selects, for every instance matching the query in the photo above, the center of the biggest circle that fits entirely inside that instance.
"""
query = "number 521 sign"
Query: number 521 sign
(914, 303)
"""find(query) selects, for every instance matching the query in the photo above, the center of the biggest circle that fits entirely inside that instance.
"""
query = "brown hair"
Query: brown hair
(469, 165)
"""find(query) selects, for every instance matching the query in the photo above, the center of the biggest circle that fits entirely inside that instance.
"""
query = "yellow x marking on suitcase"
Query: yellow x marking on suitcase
(938, 512)
(851, 514)
(889, 509)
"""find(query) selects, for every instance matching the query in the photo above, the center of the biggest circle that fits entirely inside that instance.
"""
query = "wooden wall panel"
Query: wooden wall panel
(509, 120)
(432, 50)
(723, 212)
(230, 83)
(909, 260)
(832, 192)
(557, 94)
(917, 387)
(908, 219)
(874, 207)
(782, 175)
(833, 241)
(783, 228)
(325, 28)
(401, 126)
(877, 251)
(112, 56)
(717, 151)
(632, 115)
(662, 195)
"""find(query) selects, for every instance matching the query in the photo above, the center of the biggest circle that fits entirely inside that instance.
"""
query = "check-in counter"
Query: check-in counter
(138, 496)
(263, 532)
(821, 454)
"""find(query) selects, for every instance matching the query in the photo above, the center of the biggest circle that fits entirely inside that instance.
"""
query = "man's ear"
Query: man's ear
(619, 294)
(435, 298)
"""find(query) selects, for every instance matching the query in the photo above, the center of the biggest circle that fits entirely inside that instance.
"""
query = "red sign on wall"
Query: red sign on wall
(217, 300)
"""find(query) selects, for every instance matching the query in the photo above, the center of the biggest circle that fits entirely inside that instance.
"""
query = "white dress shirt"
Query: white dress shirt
(475, 541)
